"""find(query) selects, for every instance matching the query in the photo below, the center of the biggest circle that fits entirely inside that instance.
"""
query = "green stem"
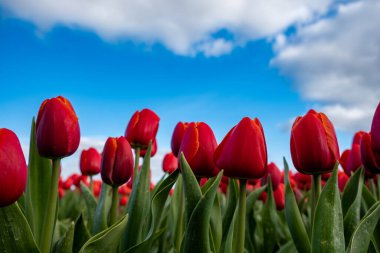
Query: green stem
(114, 205)
(49, 221)
(315, 192)
(373, 188)
(378, 184)
(91, 184)
(137, 161)
(241, 217)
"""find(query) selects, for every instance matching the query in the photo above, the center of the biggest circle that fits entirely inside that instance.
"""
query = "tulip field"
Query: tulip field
(214, 197)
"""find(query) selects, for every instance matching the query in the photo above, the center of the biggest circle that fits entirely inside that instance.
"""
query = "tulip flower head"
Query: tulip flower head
(243, 152)
(57, 128)
(313, 145)
(90, 162)
(375, 132)
(177, 136)
(153, 151)
(354, 160)
(275, 175)
(170, 163)
(13, 169)
(117, 161)
(142, 128)
(369, 158)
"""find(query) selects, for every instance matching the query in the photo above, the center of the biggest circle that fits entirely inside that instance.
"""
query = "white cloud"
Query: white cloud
(185, 26)
(336, 61)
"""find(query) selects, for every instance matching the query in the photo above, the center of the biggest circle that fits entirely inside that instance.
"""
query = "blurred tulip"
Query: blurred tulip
(170, 163)
(354, 159)
(279, 197)
(375, 132)
(124, 190)
(303, 181)
(123, 201)
(90, 162)
(325, 176)
(243, 152)
(342, 180)
(275, 175)
(369, 158)
(344, 161)
(142, 128)
(61, 192)
(117, 161)
(313, 145)
(153, 151)
(13, 169)
(198, 147)
(97, 187)
(177, 136)
(57, 128)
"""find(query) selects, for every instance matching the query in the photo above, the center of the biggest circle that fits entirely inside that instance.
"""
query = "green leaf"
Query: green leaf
(15, 233)
(328, 232)
(294, 218)
(107, 240)
(351, 201)
(38, 184)
(178, 210)
(361, 238)
(232, 201)
(65, 244)
(196, 237)
(191, 188)
(253, 196)
(102, 209)
(368, 198)
(138, 205)
(289, 247)
(216, 225)
(269, 219)
(81, 234)
(90, 205)
(158, 203)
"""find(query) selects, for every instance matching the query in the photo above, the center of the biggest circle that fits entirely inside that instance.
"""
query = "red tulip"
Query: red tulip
(142, 128)
(342, 180)
(117, 161)
(90, 162)
(97, 185)
(177, 136)
(369, 158)
(354, 159)
(170, 163)
(344, 161)
(313, 145)
(123, 201)
(303, 181)
(279, 197)
(198, 147)
(61, 192)
(13, 169)
(153, 151)
(275, 175)
(57, 128)
(243, 152)
(375, 131)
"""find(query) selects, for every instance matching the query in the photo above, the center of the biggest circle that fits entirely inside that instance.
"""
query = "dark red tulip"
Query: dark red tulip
(57, 128)
(344, 161)
(142, 128)
(153, 151)
(313, 144)
(369, 158)
(117, 161)
(13, 170)
(90, 162)
(177, 136)
(198, 147)
(355, 159)
(342, 180)
(170, 163)
(325, 176)
(243, 152)
(275, 175)
(375, 131)
(303, 181)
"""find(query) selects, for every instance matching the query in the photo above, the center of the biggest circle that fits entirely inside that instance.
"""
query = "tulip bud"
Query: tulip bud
(279, 197)
(313, 145)
(117, 161)
(142, 128)
(13, 170)
(170, 163)
(177, 136)
(369, 158)
(90, 162)
(275, 175)
(375, 132)
(198, 147)
(243, 152)
(57, 128)
(153, 151)
(344, 161)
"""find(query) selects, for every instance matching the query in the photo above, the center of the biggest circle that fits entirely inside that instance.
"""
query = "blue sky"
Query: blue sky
(219, 77)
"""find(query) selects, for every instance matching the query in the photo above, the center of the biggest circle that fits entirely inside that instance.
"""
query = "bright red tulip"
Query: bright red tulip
(355, 159)
(275, 175)
(117, 161)
(369, 158)
(152, 152)
(57, 128)
(198, 147)
(177, 136)
(313, 145)
(243, 152)
(90, 162)
(344, 161)
(375, 131)
(142, 128)
(170, 163)
(13, 169)
(97, 186)
(123, 200)
(279, 197)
